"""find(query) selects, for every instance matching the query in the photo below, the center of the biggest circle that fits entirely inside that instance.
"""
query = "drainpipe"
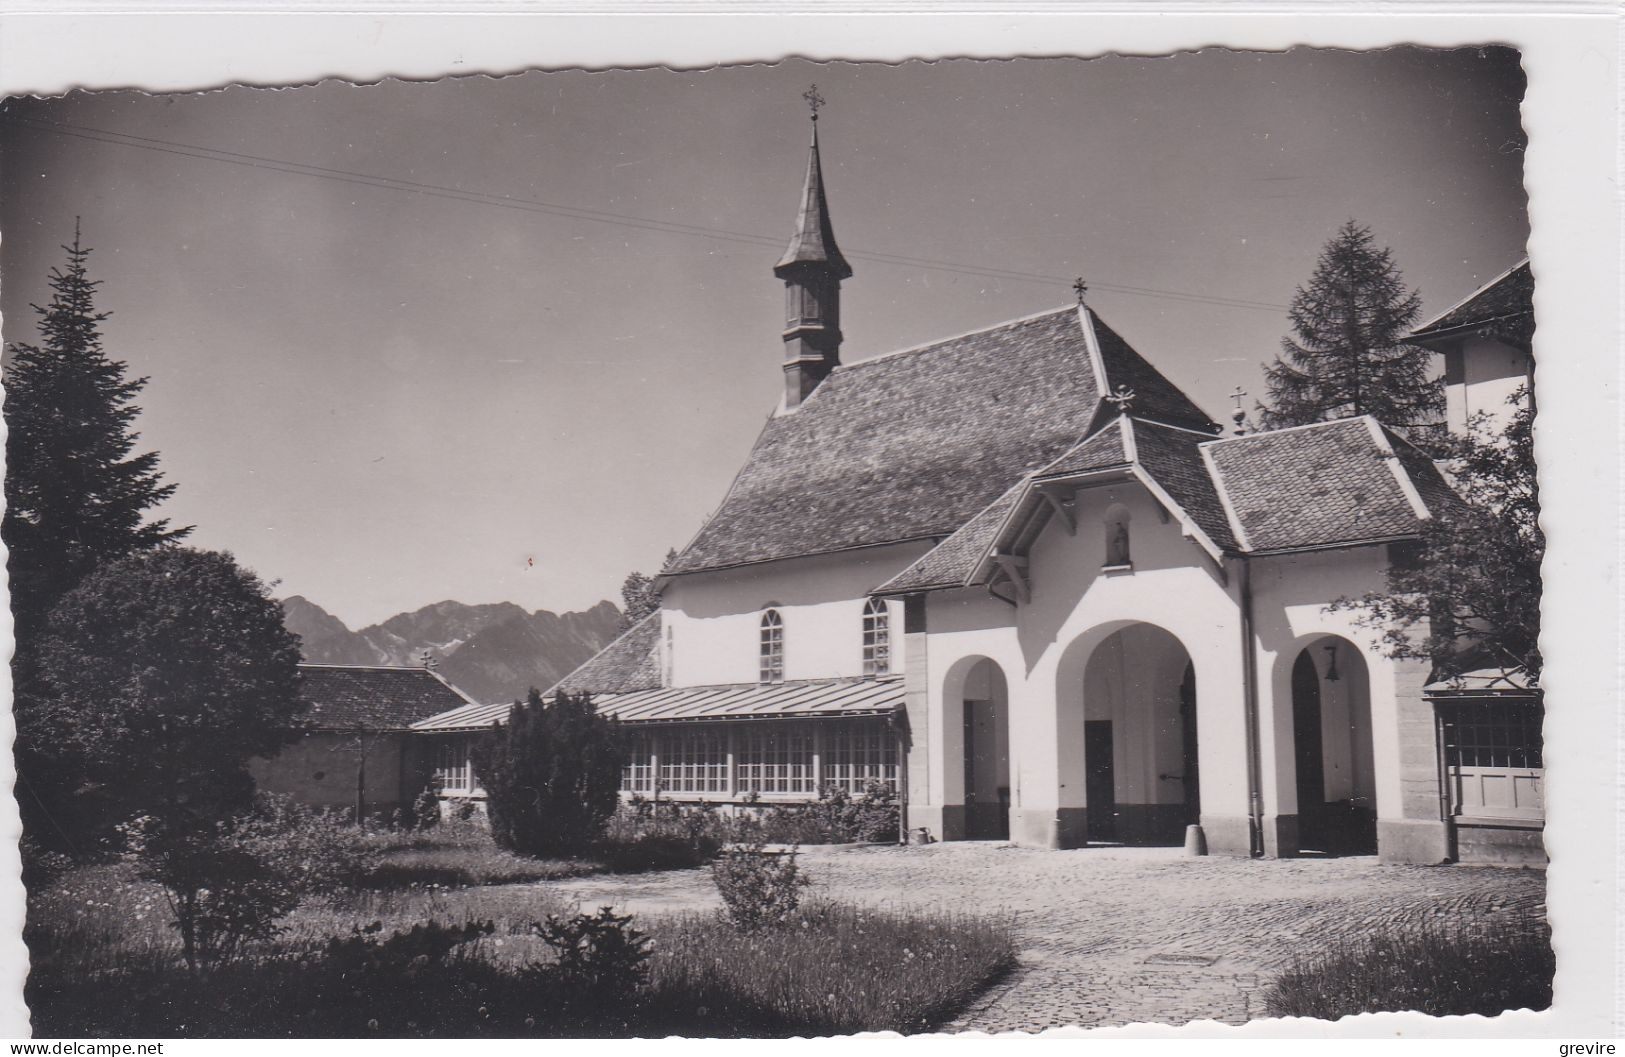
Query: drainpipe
(1249, 690)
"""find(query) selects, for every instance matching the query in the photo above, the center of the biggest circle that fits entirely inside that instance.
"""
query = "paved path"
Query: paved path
(1125, 935)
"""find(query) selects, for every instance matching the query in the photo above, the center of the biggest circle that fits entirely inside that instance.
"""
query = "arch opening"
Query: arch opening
(984, 718)
(1137, 761)
(1333, 750)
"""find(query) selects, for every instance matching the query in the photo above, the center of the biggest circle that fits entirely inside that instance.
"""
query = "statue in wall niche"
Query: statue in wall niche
(1117, 543)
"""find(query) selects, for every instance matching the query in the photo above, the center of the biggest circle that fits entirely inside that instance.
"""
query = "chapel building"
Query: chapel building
(1022, 579)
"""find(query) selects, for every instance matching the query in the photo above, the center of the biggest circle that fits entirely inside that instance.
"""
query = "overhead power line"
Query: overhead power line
(392, 183)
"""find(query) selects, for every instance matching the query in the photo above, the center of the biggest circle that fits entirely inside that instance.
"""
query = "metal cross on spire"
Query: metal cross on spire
(1080, 288)
(815, 102)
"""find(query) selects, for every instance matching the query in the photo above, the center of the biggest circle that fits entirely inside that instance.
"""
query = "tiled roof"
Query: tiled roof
(631, 662)
(1155, 397)
(1312, 486)
(1170, 456)
(1173, 459)
(1099, 451)
(1435, 491)
(805, 699)
(914, 444)
(951, 561)
(352, 697)
(1503, 308)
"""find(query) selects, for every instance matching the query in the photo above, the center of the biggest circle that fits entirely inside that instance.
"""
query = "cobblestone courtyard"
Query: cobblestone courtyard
(1114, 936)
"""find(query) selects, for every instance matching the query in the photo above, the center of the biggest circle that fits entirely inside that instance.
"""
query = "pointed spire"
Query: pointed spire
(814, 238)
(812, 269)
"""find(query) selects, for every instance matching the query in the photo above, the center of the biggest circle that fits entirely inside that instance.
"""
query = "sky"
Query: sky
(507, 339)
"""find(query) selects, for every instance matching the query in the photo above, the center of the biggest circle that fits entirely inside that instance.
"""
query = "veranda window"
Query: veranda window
(776, 761)
(857, 753)
(693, 761)
(452, 770)
(636, 773)
(876, 638)
(772, 647)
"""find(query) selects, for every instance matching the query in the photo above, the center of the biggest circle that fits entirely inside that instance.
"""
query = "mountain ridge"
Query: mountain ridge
(492, 652)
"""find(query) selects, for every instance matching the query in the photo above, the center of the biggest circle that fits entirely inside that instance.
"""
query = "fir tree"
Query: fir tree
(1347, 356)
(638, 595)
(76, 496)
(551, 776)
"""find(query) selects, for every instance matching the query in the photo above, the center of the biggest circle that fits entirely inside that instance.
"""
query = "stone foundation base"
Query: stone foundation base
(1064, 827)
(1422, 842)
(1501, 844)
(942, 821)
(1227, 835)
(1281, 836)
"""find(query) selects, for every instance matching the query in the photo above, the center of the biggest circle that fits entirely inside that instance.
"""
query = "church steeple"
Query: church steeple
(812, 269)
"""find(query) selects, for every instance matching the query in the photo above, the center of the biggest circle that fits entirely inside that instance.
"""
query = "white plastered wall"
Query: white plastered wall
(1486, 376)
(1290, 596)
(715, 618)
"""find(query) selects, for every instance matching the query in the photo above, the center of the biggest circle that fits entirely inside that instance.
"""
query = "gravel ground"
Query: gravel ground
(1115, 936)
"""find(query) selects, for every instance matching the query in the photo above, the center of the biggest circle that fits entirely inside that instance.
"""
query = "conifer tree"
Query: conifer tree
(551, 776)
(1346, 356)
(76, 496)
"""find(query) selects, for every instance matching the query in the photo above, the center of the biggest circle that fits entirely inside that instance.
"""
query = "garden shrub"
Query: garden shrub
(313, 849)
(552, 775)
(601, 961)
(222, 891)
(760, 889)
(1432, 968)
(366, 955)
(426, 809)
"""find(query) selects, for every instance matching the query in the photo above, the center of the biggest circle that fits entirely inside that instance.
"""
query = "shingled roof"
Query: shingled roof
(1313, 486)
(1321, 485)
(1503, 308)
(355, 697)
(631, 662)
(913, 444)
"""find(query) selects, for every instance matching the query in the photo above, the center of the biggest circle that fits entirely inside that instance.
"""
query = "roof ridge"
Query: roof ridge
(1169, 425)
(1381, 438)
(1285, 429)
(1432, 321)
(933, 343)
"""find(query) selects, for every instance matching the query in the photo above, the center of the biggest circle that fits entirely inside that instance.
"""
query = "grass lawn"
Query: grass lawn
(105, 963)
(461, 855)
(1441, 970)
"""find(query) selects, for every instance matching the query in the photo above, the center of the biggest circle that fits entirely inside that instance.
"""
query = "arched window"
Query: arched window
(772, 647)
(1117, 552)
(876, 638)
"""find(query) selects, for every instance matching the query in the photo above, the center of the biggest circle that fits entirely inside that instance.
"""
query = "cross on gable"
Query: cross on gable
(1122, 399)
(1080, 288)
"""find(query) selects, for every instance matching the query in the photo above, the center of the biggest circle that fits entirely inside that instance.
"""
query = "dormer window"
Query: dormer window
(876, 638)
(772, 647)
(1117, 538)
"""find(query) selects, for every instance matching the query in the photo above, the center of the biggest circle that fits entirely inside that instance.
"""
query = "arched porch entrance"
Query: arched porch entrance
(1333, 750)
(1139, 760)
(985, 725)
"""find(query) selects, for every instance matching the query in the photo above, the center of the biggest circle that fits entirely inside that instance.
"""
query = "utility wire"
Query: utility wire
(390, 183)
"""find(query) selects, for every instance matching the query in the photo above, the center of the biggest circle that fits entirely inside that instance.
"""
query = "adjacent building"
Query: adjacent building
(358, 753)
